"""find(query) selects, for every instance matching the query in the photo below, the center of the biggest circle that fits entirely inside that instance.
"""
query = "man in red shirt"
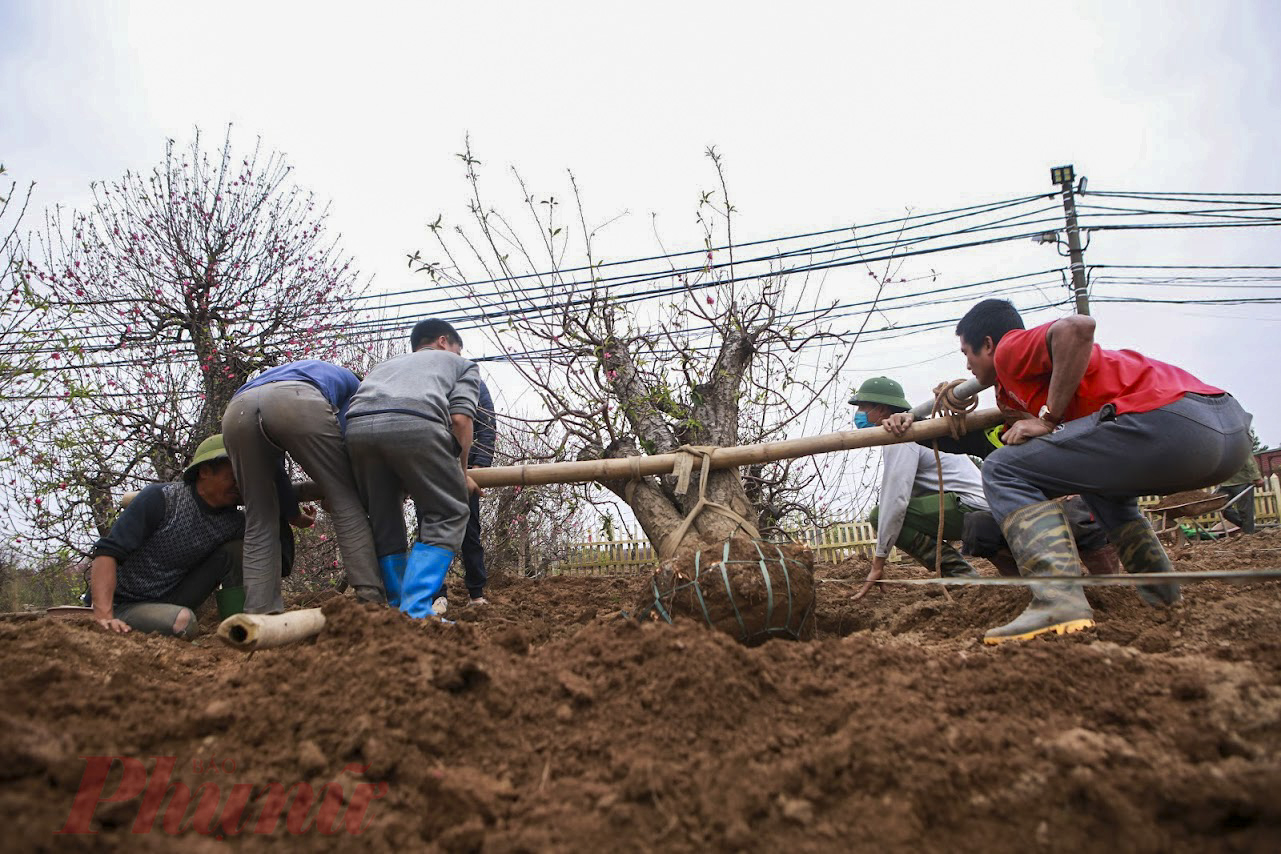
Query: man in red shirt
(1109, 425)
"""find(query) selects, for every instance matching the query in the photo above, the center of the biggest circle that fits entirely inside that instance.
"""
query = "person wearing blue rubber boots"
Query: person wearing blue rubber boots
(409, 431)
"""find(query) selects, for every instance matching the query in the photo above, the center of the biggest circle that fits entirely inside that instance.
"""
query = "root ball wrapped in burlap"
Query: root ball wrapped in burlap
(749, 589)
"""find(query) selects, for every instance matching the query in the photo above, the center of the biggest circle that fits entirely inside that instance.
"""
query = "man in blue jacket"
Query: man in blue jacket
(481, 456)
(300, 409)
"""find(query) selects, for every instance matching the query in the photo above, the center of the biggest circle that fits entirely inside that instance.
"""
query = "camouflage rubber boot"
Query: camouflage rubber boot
(1041, 541)
(1140, 551)
(922, 548)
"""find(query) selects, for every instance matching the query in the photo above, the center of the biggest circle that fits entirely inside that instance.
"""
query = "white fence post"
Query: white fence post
(1270, 494)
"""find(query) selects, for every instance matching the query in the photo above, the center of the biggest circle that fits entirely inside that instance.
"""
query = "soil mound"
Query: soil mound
(549, 721)
(1189, 499)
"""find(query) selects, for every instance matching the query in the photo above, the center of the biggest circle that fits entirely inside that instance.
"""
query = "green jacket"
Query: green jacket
(1249, 473)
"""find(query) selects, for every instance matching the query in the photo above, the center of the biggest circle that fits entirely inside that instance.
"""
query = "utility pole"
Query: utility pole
(1064, 176)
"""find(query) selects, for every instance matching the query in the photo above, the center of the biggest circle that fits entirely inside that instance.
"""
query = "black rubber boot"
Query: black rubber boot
(1140, 551)
(1041, 541)
(922, 548)
(1005, 563)
(371, 594)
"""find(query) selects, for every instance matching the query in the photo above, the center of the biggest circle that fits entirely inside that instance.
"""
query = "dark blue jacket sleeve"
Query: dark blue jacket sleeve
(142, 518)
(976, 444)
(285, 494)
(483, 431)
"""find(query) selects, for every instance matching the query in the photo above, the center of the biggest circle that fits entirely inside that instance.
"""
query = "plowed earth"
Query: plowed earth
(546, 721)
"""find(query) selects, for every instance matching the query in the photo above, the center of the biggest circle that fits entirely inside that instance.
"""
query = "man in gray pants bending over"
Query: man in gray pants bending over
(1109, 425)
(409, 429)
(297, 408)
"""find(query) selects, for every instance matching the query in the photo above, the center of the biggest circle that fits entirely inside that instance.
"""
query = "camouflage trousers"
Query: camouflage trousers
(919, 535)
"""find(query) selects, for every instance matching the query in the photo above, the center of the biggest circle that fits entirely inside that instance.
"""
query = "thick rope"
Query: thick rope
(629, 488)
(1249, 576)
(673, 540)
(947, 405)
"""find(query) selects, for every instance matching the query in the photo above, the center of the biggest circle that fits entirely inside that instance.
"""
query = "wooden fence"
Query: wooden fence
(831, 544)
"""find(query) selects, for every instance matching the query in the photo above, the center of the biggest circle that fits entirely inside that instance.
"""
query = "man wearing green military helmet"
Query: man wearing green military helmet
(170, 548)
(907, 513)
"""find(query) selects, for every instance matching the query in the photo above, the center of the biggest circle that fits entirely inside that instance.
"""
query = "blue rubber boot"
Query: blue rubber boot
(393, 567)
(423, 576)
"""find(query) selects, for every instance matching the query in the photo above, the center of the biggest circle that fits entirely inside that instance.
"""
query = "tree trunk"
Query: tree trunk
(102, 505)
(710, 419)
(660, 511)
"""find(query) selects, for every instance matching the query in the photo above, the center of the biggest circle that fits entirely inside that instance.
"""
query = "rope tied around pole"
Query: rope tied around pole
(947, 405)
(683, 470)
(629, 488)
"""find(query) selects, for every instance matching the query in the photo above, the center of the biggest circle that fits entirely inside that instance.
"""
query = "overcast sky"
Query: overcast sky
(826, 114)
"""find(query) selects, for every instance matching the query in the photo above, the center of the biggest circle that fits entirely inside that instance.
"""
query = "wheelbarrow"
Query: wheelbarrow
(1190, 505)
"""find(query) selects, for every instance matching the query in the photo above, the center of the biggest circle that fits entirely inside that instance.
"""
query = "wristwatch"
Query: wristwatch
(1046, 416)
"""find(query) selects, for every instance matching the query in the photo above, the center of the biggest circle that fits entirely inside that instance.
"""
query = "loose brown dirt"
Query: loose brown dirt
(547, 721)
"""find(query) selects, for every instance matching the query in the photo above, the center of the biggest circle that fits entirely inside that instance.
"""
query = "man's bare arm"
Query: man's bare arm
(1071, 341)
(102, 587)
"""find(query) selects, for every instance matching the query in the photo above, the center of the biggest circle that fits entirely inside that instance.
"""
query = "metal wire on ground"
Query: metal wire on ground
(1129, 580)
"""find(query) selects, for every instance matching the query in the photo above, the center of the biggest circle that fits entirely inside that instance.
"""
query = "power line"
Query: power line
(1224, 301)
(507, 304)
(1228, 213)
(364, 331)
(983, 207)
(1186, 266)
(511, 306)
(1173, 226)
(1178, 196)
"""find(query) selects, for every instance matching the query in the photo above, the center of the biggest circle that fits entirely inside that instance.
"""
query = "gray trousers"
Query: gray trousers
(259, 427)
(1111, 460)
(223, 565)
(394, 455)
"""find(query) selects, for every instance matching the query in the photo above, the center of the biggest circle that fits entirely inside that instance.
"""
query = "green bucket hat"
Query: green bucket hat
(880, 390)
(210, 449)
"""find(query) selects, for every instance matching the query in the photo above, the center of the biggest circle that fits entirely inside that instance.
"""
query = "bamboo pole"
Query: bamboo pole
(723, 458)
(967, 389)
(625, 468)
(248, 632)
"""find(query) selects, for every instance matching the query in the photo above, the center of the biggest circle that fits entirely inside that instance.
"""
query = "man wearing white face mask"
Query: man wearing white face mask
(907, 515)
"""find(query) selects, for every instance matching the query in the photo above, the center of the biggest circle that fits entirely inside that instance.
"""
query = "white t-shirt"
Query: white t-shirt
(908, 471)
